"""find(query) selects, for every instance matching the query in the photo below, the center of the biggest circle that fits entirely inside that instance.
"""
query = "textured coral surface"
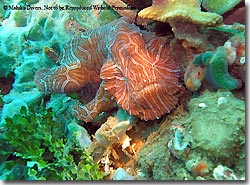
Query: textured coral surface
(179, 10)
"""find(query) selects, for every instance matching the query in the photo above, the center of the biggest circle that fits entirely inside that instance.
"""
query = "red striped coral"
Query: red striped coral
(138, 74)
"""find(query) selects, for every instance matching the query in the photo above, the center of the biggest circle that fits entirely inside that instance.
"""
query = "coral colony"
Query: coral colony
(122, 90)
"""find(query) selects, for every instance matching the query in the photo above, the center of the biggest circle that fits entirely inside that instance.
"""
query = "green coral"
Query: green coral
(217, 69)
(219, 6)
(6, 65)
(29, 1)
(35, 146)
(107, 15)
(21, 18)
(36, 33)
(218, 127)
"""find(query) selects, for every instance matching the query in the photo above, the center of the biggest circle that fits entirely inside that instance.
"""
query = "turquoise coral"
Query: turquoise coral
(217, 69)
(219, 6)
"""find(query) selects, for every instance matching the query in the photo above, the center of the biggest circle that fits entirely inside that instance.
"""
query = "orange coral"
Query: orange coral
(200, 169)
(194, 76)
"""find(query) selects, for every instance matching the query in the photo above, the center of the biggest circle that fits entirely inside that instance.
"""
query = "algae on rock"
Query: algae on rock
(218, 127)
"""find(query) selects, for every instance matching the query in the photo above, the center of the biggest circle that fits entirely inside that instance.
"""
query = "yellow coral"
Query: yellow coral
(180, 10)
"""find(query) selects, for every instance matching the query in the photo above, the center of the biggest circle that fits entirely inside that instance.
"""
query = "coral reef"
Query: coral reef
(112, 131)
(37, 152)
(23, 35)
(185, 17)
(12, 104)
(79, 135)
(155, 160)
(118, 67)
(111, 136)
(224, 173)
(65, 63)
(217, 71)
(191, 36)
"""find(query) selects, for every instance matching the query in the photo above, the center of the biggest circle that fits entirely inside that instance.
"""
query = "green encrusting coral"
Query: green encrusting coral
(36, 145)
(217, 69)
(218, 126)
(21, 18)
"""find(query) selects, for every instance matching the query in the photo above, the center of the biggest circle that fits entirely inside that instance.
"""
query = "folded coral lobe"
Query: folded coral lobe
(142, 78)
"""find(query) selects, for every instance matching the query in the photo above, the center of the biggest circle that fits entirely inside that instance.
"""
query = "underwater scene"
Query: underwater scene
(122, 90)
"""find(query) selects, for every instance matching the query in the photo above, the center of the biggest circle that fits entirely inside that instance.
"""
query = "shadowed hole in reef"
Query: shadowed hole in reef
(138, 4)
(163, 29)
(6, 84)
(237, 14)
(12, 157)
(93, 126)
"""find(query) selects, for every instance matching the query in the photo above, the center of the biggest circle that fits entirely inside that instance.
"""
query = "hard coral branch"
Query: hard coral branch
(180, 10)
